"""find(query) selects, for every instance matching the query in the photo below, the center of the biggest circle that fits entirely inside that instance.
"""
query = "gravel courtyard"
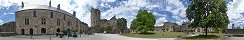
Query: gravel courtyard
(82, 37)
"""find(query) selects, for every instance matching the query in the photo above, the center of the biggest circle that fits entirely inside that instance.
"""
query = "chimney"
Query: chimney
(50, 3)
(58, 6)
(74, 13)
(233, 26)
(22, 3)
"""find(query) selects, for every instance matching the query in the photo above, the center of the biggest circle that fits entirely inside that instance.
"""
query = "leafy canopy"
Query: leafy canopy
(144, 21)
(208, 13)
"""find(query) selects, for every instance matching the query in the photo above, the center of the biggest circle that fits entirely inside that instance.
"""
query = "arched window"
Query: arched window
(43, 21)
(26, 21)
(58, 21)
(43, 30)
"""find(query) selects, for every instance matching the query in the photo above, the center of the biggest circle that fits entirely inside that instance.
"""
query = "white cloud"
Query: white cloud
(7, 3)
(235, 11)
(4, 13)
(1, 22)
(177, 9)
(108, 0)
(128, 10)
(80, 6)
(161, 21)
(7, 14)
(11, 13)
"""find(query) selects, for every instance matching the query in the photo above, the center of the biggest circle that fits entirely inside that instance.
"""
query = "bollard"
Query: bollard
(50, 37)
(31, 36)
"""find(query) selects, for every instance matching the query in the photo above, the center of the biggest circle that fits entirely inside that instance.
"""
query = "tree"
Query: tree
(109, 28)
(133, 25)
(122, 24)
(144, 21)
(208, 13)
(8, 24)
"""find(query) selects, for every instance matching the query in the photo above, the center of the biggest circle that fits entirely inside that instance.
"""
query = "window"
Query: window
(34, 13)
(68, 23)
(26, 21)
(64, 17)
(77, 23)
(43, 21)
(58, 21)
(51, 15)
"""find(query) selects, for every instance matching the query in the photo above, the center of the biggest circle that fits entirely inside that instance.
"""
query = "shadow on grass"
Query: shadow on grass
(204, 37)
(144, 33)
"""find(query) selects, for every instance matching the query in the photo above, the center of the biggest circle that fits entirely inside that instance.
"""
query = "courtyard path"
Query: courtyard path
(234, 38)
(82, 37)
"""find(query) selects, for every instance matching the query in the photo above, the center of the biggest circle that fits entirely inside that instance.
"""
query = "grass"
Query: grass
(155, 35)
(202, 37)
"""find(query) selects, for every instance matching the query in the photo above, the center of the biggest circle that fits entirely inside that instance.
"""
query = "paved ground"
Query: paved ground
(82, 37)
(234, 38)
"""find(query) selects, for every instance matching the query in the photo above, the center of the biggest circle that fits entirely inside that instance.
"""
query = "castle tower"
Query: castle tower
(95, 17)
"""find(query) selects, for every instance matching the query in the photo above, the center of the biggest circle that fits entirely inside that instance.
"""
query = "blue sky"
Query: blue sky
(164, 10)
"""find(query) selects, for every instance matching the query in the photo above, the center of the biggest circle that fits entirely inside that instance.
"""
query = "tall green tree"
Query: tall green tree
(208, 13)
(133, 25)
(144, 21)
(122, 24)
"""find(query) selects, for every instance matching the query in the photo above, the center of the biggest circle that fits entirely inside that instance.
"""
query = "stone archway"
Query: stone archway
(43, 30)
(58, 30)
(23, 31)
(31, 31)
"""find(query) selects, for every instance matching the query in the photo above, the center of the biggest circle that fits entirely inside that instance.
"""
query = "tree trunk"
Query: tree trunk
(206, 31)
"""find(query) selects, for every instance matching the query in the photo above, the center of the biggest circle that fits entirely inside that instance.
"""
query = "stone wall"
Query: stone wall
(67, 21)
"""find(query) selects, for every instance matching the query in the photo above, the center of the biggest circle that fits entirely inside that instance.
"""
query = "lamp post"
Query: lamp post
(31, 36)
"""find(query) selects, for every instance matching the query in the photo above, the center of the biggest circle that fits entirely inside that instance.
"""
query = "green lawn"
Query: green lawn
(155, 35)
(201, 37)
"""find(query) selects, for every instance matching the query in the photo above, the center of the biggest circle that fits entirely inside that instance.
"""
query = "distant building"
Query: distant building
(97, 21)
(159, 28)
(169, 26)
(182, 28)
(8, 27)
(173, 27)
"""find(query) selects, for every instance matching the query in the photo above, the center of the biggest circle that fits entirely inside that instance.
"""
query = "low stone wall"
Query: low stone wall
(4, 34)
(234, 31)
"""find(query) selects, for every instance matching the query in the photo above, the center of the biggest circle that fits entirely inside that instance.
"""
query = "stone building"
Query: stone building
(97, 21)
(8, 27)
(182, 28)
(158, 28)
(169, 26)
(43, 19)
